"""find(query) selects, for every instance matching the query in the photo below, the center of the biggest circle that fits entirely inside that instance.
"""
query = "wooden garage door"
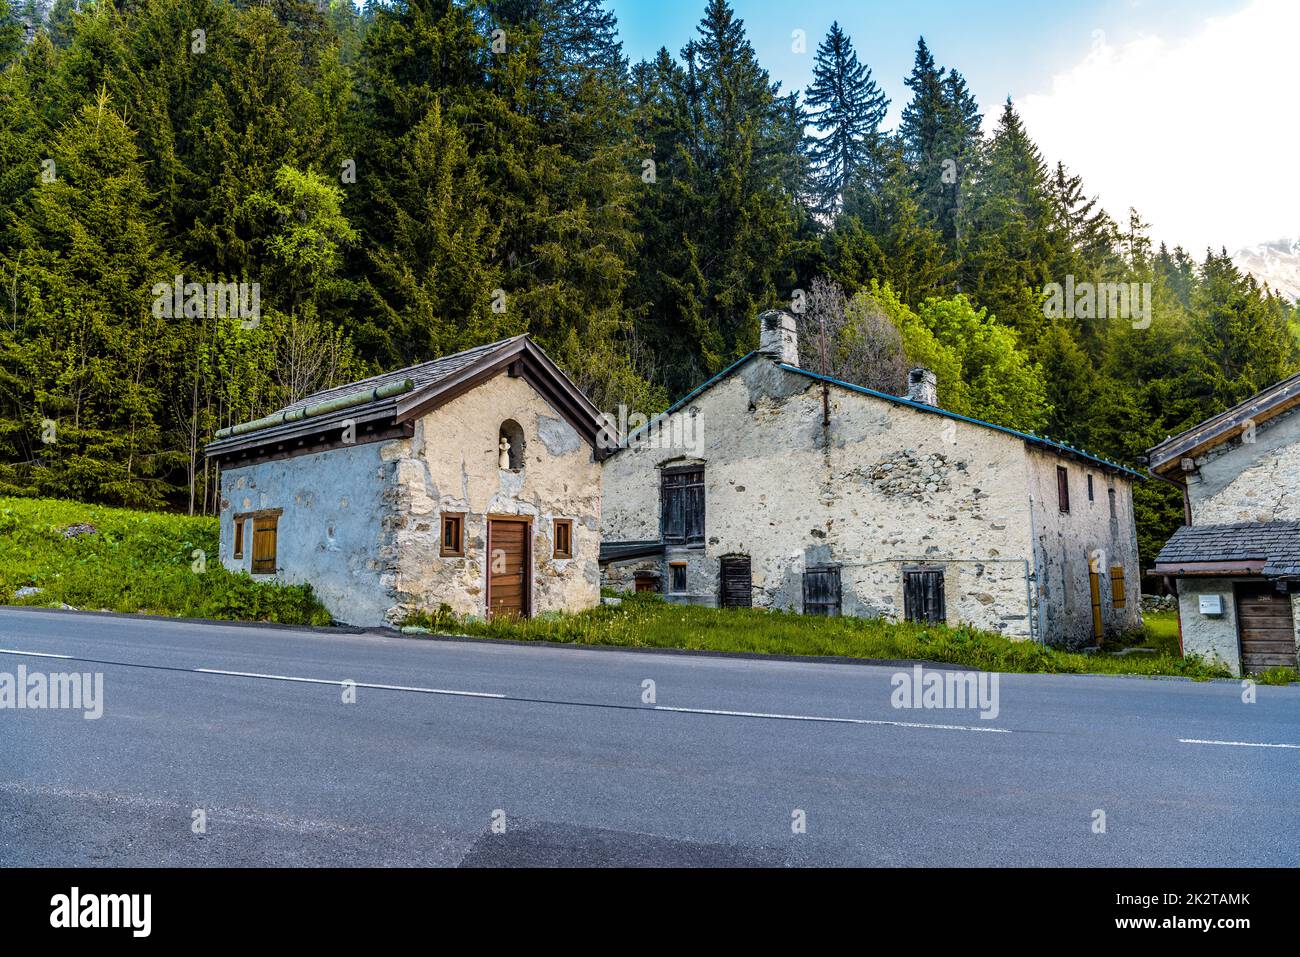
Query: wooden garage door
(508, 568)
(1265, 626)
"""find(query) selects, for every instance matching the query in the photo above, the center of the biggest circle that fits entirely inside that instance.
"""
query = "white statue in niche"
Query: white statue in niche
(503, 457)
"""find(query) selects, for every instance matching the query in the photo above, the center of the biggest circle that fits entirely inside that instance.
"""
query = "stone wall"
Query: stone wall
(451, 464)
(885, 487)
(1212, 638)
(1250, 481)
(331, 530)
(1065, 544)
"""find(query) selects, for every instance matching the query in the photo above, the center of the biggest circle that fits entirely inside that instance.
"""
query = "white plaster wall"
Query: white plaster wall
(451, 464)
(776, 491)
(1250, 481)
(1214, 639)
(331, 531)
(1064, 542)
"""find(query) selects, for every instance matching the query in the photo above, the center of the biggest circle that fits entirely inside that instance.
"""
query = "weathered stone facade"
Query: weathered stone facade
(1251, 478)
(361, 523)
(885, 487)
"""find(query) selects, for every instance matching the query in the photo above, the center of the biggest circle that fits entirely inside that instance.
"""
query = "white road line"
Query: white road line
(1238, 744)
(34, 654)
(357, 684)
(813, 717)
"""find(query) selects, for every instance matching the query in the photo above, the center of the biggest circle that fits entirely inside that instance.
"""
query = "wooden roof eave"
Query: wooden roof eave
(1168, 455)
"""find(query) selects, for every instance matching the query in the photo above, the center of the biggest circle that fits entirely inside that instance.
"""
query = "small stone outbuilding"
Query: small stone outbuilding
(1236, 564)
(470, 481)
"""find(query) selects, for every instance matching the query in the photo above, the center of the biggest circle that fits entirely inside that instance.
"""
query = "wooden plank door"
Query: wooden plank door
(1094, 590)
(737, 582)
(923, 596)
(508, 571)
(1265, 628)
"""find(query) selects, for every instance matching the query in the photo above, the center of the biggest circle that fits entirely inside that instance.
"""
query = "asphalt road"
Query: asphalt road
(558, 747)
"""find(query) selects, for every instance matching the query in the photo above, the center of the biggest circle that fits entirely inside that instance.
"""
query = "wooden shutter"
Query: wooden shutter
(1063, 488)
(821, 590)
(923, 595)
(682, 505)
(564, 538)
(265, 530)
(1094, 586)
(1118, 595)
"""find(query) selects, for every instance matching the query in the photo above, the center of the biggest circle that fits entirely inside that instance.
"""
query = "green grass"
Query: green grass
(646, 621)
(135, 562)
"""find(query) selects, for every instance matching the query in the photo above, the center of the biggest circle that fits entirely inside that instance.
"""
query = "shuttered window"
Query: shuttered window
(821, 590)
(682, 506)
(677, 577)
(1118, 594)
(453, 534)
(1063, 488)
(923, 598)
(265, 532)
(563, 538)
(239, 537)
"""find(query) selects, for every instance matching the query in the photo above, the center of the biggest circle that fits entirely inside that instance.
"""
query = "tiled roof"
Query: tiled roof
(425, 373)
(1276, 543)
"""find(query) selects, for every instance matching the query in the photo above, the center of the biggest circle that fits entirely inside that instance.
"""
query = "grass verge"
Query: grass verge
(646, 621)
(114, 559)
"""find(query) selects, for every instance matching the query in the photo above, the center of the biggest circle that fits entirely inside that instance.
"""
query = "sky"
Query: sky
(1184, 109)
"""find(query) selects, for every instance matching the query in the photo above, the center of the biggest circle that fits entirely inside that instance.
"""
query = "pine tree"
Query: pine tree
(846, 107)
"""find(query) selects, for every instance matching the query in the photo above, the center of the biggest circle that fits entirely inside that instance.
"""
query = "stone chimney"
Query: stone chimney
(923, 387)
(777, 336)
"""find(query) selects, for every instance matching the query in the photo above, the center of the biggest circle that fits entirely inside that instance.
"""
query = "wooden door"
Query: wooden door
(737, 582)
(821, 590)
(508, 572)
(1265, 628)
(1094, 591)
(923, 596)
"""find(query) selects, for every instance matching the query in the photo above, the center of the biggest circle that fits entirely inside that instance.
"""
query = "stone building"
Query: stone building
(1237, 561)
(774, 486)
(471, 481)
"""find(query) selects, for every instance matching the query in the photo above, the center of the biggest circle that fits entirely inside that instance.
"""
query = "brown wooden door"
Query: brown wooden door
(508, 575)
(1265, 627)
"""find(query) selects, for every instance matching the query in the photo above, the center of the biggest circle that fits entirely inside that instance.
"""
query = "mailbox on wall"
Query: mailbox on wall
(1211, 605)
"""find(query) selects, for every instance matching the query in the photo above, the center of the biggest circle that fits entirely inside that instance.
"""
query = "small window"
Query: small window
(453, 534)
(677, 579)
(821, 590)
(239, 537)
(923, 598)
(510, 446)
(646, 583)
(564, 538)
(265, 532)
(682, 505)
(1118, 594)
(1063, 488)
(1090, 498)
(1110, 493)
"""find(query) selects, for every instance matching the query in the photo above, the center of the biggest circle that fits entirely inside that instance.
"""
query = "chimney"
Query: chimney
(923, 387)
(777, 336)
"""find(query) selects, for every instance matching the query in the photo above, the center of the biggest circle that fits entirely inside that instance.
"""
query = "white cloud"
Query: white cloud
(1201, 135)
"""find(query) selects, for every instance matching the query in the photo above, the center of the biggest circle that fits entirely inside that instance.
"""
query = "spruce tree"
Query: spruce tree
(846, 107)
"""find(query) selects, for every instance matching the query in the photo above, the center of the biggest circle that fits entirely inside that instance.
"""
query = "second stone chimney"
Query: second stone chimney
(923, 387)
(777, 336)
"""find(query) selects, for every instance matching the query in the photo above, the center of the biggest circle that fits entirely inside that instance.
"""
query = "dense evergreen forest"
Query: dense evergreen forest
(417, 176)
